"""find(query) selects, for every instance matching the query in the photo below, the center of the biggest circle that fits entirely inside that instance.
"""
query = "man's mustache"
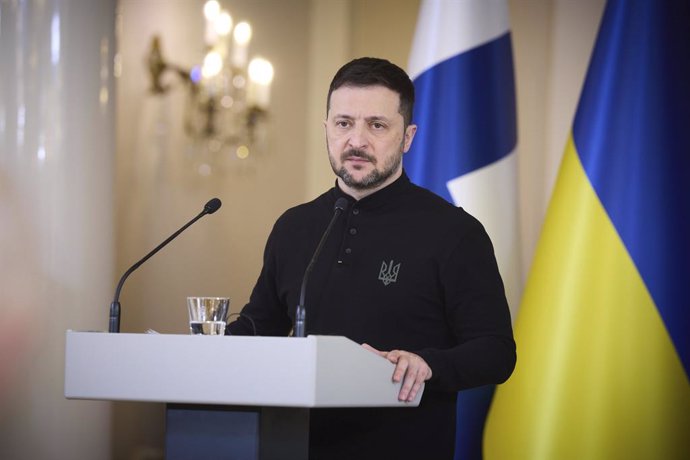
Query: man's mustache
(356, 153)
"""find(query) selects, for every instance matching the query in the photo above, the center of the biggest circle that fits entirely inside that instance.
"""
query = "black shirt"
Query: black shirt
(402, 269)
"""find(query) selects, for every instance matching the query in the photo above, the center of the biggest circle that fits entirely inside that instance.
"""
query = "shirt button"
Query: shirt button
(355, 211)
(348, 251)
(353, 231)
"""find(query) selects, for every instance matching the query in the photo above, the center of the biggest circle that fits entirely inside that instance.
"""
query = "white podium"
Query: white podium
(247, 396)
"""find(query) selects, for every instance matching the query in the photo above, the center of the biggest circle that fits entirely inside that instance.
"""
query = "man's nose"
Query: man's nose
(358, 137)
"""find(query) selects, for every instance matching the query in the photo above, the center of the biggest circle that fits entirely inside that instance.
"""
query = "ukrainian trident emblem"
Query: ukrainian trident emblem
(389, 273)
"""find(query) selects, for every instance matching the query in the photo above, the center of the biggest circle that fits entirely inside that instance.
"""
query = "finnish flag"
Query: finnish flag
(466, 143)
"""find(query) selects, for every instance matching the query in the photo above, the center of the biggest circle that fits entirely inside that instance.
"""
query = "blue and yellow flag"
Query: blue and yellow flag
(603, 331)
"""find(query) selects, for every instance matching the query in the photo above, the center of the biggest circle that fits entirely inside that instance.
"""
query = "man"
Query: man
(403, 272)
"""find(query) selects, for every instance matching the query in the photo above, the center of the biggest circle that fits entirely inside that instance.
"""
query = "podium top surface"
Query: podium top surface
(316, 371)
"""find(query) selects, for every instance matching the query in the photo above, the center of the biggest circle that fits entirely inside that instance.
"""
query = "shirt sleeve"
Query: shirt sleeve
(265, 314)
(478, 313)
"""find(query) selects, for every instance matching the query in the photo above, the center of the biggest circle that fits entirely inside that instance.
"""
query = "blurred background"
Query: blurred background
(103, 154)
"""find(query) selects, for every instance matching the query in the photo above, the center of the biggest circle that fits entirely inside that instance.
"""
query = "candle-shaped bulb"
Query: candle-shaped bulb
(241, 36)
(213, 64)
(260, 78)
(223, 23)
(211, 10)
(242, 33)
(261, 71)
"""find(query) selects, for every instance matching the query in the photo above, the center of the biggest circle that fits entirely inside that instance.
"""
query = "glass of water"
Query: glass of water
(208, 315)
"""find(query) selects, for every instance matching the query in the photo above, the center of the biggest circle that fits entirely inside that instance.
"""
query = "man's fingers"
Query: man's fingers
(415, 389)
(366, 346)
(410, 369)
(408, 383)
(401, 365)
(413, 371)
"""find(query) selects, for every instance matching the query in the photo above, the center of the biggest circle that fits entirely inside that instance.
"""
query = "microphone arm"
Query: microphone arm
(114, 322)
(301, 314)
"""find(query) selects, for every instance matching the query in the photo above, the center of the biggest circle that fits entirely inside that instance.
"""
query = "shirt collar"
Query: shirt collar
(389, 194)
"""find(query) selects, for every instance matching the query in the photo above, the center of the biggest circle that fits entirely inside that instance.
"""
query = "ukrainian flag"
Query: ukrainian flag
(604, 326)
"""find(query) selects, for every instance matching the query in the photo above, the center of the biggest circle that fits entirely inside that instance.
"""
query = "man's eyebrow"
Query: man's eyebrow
(368, 119)
(377, 118)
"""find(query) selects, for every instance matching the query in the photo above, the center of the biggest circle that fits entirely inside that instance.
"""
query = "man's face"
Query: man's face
(366, 137)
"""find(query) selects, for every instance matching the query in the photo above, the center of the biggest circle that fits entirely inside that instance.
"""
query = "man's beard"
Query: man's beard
(371, 180)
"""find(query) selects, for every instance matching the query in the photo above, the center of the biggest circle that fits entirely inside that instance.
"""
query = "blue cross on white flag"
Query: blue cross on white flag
(465, 147)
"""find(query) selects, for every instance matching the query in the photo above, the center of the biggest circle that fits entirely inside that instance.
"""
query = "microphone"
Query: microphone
(301, 314)
(114, 324)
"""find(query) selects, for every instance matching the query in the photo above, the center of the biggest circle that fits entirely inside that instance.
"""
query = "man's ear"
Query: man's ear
(409, 135)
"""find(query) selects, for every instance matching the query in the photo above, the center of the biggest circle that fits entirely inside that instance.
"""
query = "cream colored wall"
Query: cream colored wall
(384, 28)
(552, 42)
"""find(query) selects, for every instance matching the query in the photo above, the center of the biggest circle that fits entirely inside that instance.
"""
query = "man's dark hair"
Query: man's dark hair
(368, 71)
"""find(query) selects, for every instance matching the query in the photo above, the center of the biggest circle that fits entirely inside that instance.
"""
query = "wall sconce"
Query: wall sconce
(227, 96)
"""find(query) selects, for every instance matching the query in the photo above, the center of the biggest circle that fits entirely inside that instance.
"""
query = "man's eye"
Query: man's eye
(342, 124)
(377, 125)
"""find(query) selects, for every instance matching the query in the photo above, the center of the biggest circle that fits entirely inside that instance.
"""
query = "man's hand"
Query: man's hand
(410, 368)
